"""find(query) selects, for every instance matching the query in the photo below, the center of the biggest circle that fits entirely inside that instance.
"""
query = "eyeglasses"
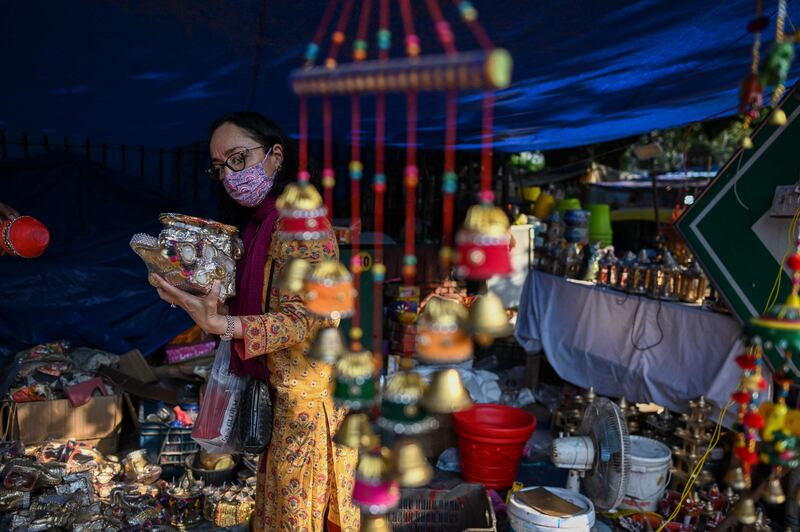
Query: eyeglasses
(236, 162)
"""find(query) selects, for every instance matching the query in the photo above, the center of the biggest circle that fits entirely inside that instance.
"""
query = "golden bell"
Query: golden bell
(488, 318)
(328, 346)
(774, 493)
(745, 511)
(375, 523)
(293, 275)
(736, 479)
(355, 432)
(446, 394)
(778, 118)
(411, 468)
(375, 466)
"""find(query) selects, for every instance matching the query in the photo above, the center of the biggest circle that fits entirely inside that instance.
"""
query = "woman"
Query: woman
(304, 476)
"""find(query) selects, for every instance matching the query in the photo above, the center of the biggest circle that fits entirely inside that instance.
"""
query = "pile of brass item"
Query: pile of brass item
(694, 436)
(569, 414)
(229, 506)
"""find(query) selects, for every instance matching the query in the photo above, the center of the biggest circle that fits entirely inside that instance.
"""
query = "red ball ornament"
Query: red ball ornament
(794, 262)
(746, 455)
(746, 361)
(741, 397)
(753, 420)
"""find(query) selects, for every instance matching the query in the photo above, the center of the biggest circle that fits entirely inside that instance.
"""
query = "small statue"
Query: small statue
(589, 262)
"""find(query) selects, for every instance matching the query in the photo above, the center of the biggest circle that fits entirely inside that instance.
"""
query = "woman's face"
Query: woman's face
(233, 144)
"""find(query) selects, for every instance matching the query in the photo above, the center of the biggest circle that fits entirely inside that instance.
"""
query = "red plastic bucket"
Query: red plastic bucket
(490, 442)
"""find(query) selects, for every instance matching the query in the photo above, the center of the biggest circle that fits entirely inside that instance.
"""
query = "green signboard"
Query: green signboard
(730, 229)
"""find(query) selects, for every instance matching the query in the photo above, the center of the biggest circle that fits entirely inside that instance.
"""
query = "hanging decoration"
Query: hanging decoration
(776, 67)
(408, 401)
(750, 89)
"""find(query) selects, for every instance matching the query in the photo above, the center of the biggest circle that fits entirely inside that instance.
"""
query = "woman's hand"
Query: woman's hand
(205, 311)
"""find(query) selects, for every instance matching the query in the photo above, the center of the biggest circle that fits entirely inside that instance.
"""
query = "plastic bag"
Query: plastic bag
(215, 428)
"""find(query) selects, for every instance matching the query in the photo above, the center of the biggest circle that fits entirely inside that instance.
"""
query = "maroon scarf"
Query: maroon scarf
(250, 274)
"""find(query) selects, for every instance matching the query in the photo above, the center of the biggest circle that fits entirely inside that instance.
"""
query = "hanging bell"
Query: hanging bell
(484, 242)
(302, 214)
(293, 276)
(778, 118)
(355, 376)
(736, 478)
(24, 237)
(488, 318)
(441, 332)
(411, 468)
(355, 432)
(446, 393)
(401, 412)
(745, 511)
(328, 290)
(374, 491)
(774, 493)
(327, 347)
(375, 523)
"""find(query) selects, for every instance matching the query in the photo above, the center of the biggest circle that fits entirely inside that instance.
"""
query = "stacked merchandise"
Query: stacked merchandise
(402, 303)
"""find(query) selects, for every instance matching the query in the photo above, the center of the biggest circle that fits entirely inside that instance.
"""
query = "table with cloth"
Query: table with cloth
(623, 344)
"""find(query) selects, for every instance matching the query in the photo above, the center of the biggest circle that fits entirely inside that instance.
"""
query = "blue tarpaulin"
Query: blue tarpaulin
(155, 72)
(88, 287)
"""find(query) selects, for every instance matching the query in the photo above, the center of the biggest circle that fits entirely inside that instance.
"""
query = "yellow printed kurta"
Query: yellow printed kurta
(307, 475)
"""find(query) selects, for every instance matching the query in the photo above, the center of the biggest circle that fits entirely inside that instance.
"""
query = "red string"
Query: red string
(486, 142)
(303, 132)
(443, 31)
(380, 188)
(328, 173)
(383, 21)
(355, 198)
(449, 166)
(363, 21)
(411, 178)
(408, 17)
(341, 25)
(478, 32)
(324, 22)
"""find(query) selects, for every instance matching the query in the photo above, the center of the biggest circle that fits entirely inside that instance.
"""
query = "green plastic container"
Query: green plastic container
(568, 204)
(600, 224)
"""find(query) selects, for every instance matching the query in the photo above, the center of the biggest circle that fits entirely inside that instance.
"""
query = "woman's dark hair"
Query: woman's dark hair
(267, 133)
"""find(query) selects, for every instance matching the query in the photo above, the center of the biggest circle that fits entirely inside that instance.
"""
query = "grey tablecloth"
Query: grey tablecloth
(648, 351)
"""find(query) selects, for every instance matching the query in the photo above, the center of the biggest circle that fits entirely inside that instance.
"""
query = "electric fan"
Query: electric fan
(600, 455)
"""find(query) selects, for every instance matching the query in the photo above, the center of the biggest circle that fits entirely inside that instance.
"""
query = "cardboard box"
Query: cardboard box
(96, 423)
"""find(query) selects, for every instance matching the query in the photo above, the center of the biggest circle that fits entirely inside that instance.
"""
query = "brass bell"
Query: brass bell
(412, 469)
(375, 523)
(774, 494)
(745, 511)
(488, 318)
(778, 118)
(293, 275)
(327, 347)
(736, 479)
(355, 432)
(375, 466)
(446, 394)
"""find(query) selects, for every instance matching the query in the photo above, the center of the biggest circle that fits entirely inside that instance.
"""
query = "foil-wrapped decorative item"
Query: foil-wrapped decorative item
(191, 253)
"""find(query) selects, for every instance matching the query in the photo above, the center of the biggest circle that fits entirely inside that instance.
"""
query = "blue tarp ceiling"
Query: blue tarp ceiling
(155, 72)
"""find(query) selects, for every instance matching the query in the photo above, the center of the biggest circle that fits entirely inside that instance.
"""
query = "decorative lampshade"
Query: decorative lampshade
(640, 274)
(441, 332)
(293, 276)
(375, 492)
(401, 412)
(488, 319)
(302, 214)
(484, 242)
(446, 393)
(607, 269)
(692, 284)
(328, 290)
(664, 278)
(355, 378)
(778, 332)
(24, 237)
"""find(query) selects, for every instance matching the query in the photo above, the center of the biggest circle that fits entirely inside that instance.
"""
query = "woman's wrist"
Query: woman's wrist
(217, 325)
